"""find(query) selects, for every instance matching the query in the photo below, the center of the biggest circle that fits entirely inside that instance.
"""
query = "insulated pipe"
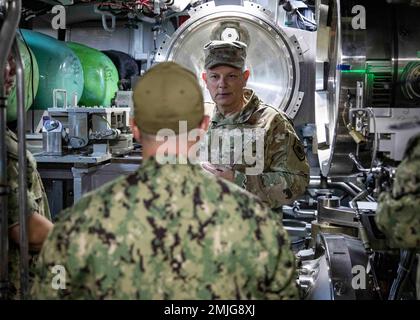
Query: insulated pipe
(7, 35)
(23, 204)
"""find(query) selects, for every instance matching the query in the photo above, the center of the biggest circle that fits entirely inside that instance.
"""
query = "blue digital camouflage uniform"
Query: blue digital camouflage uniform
(168, 232)
(37, 202)
(285, 174)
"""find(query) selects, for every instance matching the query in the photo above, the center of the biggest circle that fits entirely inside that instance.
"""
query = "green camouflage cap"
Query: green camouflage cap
(230, 53)
(165, 95)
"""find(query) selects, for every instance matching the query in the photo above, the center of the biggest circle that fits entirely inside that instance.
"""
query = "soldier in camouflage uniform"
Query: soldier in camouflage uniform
(398, 214)
(39, 223)
(285, 170)
(39, 219)
(168, 231)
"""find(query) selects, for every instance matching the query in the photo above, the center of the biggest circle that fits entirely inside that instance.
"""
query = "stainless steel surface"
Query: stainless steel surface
(342, 186)
(381, 60)
(358, 189)
(318, 228)
(331, 201)
(89, 110)
(273, 58)
(51, 143)
(70, 158)
(314, 279)
(393, 141)
(347, 186)
(81, 182)
(121, 145)
(7, 35)
(106, 130)
(297, 229)
(55, 98)
(23, 201)
(298, 213)
(78, 129)
(330, 211)
(331, 137)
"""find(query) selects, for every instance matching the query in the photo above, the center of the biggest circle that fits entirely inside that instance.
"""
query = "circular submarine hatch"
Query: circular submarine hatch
(272, 57)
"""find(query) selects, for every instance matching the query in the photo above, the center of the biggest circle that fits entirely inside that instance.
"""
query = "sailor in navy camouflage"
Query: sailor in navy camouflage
(37, 205)
(168, 231)
(398, 214)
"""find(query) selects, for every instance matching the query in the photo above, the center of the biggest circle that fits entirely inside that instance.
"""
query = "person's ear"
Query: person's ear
(246, 74)
(204, 77)
(204, 124)
(135, 130)
(12, 62)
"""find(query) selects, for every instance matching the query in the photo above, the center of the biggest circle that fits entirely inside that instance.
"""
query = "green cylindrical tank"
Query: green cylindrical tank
(31, 75)
(101, 76)
(59, 68)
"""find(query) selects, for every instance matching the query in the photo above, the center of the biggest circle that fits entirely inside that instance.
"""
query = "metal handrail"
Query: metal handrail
(7, 36)
(23, 200)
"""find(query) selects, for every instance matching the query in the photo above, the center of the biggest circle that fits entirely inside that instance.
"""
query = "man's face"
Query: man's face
(225, 85)
(9, 74)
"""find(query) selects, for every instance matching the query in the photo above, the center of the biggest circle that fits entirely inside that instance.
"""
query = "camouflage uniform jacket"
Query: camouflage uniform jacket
(398, 214)
(285, 173)
(37, 202)
(168, 232)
